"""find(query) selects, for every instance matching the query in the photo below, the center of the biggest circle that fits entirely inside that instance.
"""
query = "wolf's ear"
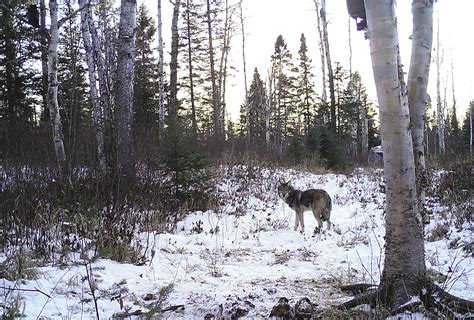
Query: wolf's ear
(281, 181)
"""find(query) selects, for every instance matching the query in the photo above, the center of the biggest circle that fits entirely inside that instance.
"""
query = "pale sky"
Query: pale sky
(266, 19)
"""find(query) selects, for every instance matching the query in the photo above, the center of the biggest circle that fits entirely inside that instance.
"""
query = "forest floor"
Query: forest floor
(241, 258)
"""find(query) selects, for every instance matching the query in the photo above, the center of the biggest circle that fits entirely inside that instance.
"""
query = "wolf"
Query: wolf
(316, 200)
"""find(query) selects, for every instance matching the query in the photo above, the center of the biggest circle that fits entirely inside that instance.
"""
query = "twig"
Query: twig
(26, 290)
(65, 19)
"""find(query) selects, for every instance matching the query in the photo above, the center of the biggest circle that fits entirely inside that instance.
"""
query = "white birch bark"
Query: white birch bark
(404, 263)
(97, 114)
(418, 76)
(52, 103)
(161, 79)
(332, 93)
(322, 54)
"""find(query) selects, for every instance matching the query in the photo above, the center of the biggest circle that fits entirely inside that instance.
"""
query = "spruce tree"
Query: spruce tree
(145, 89)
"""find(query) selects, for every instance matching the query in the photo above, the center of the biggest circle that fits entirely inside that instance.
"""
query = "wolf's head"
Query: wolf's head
(284, 189)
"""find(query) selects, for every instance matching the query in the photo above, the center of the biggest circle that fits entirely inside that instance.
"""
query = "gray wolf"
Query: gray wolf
(316, 200)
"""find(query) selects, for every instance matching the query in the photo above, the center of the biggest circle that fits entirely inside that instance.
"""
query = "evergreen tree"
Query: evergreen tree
(72, 91)
(145, 89)
(257, 99)
(305, 86)
(466, 131)
(20, 84)
(282, 96)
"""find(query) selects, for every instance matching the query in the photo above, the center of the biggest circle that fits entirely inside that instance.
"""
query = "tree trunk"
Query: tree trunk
(53, 105)
(161, 79)
(97, 115)
(322, 54)
(125, 165)
(173, 99)
(244, 63)
(44, 61)
(332, 93)
(418, 75)
(104, 88)
(404, 265)
(215, 95)
(439, 109)
(191, 76)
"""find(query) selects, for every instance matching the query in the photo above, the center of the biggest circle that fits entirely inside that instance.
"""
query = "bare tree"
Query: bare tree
(404, 273)
(190, 67)
(52, 101)
(125, 165)
(322, 54)
(418, 75)
(215, 95)
(332, 93)
(161, 78)
(97, 115)
(244, 63)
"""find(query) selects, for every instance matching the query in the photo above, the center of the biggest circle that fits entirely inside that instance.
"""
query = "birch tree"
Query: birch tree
(418, 75)
(161, 78)
(325, 39)
(97, 117)
(404, 272)
(52, 101)
(124, 97)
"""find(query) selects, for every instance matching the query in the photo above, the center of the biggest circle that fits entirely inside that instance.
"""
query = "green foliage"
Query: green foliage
(189, 183)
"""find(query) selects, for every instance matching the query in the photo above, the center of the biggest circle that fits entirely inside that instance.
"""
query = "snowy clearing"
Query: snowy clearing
(241, 260)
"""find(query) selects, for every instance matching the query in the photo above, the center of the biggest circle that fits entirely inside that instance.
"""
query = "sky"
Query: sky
(266, 19)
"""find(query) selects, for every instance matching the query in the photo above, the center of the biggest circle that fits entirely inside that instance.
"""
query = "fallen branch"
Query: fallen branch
(26, 290)
(173, 308)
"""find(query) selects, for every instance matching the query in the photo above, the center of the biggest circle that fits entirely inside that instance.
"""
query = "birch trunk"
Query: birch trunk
(161, 79)
(104, 88)
(322, 54)
(332, 93)
(124, 97)
(97, 114)
(418, 76)
(53, 105)
(404, 264)
(44, 60)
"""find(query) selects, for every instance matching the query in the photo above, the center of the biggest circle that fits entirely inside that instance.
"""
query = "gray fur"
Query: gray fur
(316, 200)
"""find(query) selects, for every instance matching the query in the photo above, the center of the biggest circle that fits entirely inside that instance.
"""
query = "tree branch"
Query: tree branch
(65, 19)
(26, 290)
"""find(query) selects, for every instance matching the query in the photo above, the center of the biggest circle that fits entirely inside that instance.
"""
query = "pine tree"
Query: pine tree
(305, 86)
(257, 99)
(72, 92)
(282, 94)
(19, 82)
(145, 89)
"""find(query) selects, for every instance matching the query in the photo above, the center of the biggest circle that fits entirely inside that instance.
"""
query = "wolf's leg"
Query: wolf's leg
(329, 225)
(297, 220)
(301, 214)
(318, 219)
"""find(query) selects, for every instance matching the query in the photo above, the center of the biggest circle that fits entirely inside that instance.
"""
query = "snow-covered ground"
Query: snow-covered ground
(241, 259)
